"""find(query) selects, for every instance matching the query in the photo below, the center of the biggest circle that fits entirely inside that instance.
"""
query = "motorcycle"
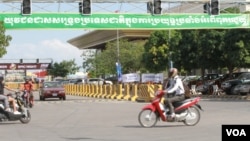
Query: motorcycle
(25, 115)
(187, 111)
(27, 99)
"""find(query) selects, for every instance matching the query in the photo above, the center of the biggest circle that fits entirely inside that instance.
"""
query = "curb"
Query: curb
(225, 97)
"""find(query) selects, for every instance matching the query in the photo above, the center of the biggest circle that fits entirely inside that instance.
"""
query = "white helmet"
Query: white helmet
(172, 72)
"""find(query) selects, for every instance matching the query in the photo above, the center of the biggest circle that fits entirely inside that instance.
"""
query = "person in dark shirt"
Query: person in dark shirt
(7, 99)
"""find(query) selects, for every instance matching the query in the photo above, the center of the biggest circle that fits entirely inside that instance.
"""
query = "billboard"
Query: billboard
(23, 66)
(123, 21)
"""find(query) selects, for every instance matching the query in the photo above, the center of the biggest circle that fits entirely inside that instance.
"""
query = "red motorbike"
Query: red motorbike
(27, 98)
(187, 111)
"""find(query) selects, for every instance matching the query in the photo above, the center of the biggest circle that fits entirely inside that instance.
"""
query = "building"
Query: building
(98, 38)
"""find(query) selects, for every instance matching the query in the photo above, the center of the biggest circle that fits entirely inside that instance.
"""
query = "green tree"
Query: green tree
(187, 50)
(88, 55)
(4, 40)
(71, 66)
(158, 50)
(235, 46)
(129, 55)
(200, 49)
(63, 69)
(236, 49)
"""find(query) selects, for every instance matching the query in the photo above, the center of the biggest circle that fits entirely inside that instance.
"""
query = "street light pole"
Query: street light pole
(170, 53)
(118, 46)
(118, 64)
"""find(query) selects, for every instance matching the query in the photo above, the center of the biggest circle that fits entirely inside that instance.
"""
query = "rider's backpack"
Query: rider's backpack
(187, 91)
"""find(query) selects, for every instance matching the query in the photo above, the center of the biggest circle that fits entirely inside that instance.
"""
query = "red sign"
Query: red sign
(23, 66)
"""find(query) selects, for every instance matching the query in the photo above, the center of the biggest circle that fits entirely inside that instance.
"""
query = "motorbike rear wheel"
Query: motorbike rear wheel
(193, 116)
(147, 118)
(26, 119)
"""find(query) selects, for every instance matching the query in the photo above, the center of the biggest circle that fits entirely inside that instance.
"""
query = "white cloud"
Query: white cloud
(49, 48)
(61, 51)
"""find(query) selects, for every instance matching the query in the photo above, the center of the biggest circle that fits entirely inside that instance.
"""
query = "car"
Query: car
(205, 84)
(99, 81)
(189, 78)
(52, 89)
(64, 82)
(234, 75)
(229, 85)
(242, 89)
(236, 89)
(77, 81)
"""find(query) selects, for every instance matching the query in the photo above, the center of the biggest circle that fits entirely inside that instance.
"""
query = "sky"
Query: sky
(43, 44)
(52, 43)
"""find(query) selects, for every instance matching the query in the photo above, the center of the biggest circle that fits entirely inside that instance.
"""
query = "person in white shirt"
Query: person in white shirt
(174, 88)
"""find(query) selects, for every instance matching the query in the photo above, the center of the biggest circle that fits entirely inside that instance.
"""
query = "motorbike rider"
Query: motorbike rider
(174, 88)
(7, 98)
(28, 87)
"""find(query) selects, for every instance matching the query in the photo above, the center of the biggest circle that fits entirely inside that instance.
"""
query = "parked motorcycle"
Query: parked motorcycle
(187, 111)
(25, 115)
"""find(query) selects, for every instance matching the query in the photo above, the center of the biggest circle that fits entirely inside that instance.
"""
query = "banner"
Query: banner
(152, 78)
(159, 78)
(131, 78)
(119, 71)
(123, 21)
(147, 77)
(23, 66)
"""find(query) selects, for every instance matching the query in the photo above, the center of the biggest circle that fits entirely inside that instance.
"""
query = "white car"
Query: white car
(99, 81)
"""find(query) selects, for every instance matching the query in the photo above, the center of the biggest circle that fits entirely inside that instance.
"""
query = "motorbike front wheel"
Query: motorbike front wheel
(193, 116)
(147, 118)
(26, 119)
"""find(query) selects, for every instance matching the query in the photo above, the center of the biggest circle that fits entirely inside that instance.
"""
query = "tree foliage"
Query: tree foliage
(63, 68)
(88, 55)
(4, 40)
(158, 51)
(206, 49)
(128, 53)
(199, 49)
(236, 49)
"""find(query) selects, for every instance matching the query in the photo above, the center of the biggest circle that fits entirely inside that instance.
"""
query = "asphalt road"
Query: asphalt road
(87, 119)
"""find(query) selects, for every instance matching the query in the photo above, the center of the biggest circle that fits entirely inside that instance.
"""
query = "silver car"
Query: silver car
(236, 90)
(228, 86)
(244, 88)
